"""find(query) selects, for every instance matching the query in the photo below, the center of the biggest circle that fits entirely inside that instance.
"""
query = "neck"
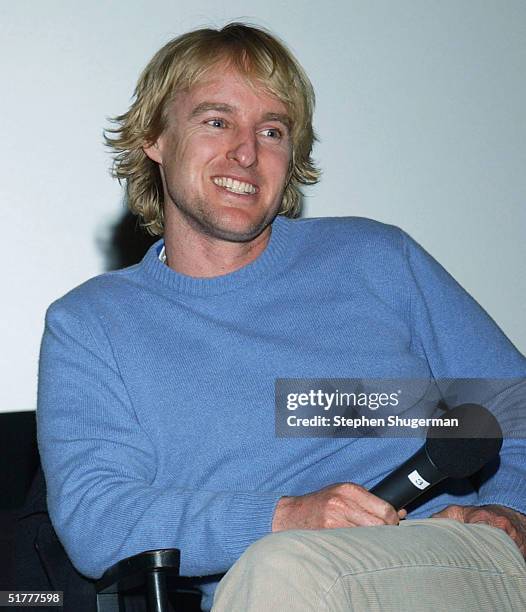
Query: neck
(199, 255)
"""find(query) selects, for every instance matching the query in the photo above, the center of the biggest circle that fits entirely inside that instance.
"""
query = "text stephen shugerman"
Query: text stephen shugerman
(339, 399)
(363, 421)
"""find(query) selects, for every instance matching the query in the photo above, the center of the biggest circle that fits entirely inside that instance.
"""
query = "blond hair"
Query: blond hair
(180, 64)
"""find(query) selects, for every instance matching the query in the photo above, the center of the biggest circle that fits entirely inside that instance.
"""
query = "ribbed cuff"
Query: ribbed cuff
(509, 491)
(250, 518)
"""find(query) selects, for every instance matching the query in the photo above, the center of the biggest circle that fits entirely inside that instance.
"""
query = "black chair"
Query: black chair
(148, 581)
(18, 461)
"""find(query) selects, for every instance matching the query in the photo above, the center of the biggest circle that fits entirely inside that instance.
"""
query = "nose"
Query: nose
(243, 149)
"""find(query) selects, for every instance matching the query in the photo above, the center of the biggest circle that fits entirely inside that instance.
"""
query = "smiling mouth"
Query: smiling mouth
(234, 186)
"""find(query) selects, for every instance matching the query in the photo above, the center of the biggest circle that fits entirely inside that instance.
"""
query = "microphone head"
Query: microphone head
(460, 451)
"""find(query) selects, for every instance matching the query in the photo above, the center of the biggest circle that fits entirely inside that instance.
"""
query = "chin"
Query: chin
(231, 234)
(238, 226)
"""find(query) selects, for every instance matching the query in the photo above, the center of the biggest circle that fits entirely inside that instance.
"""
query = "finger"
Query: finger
(356, 496)
(442, 514)
(482, 516)
(450, 512)
(379, 513)
(361, 517)
(489, 518)
(402, 514)
(380, 508)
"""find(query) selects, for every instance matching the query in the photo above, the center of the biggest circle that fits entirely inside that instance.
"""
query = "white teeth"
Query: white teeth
(234, 185)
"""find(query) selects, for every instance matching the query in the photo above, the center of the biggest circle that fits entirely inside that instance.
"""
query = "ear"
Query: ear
(153, 151)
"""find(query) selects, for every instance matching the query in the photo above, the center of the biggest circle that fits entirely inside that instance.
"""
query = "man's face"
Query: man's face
(224, 157)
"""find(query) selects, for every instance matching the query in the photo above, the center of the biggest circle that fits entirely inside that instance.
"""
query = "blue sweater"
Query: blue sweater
(156, 390)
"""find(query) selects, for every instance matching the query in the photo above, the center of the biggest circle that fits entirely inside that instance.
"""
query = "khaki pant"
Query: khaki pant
(421, 566)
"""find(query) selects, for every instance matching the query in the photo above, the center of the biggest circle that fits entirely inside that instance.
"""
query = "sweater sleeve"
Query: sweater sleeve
(461, 341)
(100, 468)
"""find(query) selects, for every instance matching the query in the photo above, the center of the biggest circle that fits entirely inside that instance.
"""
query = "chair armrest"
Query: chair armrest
(133, 572)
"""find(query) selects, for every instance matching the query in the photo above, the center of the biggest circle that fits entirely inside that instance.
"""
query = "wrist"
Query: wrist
(281, 513)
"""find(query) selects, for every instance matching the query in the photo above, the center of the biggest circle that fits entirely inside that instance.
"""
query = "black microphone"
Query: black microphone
(449, 452)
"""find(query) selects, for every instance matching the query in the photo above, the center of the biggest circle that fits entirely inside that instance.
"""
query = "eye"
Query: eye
(272, 133)
(217, 123)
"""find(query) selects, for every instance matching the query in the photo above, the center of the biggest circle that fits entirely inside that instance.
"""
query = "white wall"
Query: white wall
(420, 116)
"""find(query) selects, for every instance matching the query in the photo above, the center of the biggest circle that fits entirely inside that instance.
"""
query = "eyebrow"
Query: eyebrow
(208, 106)
(281, 117)
(204, 107)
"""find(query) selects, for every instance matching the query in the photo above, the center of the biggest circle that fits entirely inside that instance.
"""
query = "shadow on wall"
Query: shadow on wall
(126, 244)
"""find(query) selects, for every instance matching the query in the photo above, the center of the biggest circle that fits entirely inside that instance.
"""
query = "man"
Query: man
(156, 388)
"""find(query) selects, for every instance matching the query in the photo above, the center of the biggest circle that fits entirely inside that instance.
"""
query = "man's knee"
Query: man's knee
(287, 570)
(279, 552)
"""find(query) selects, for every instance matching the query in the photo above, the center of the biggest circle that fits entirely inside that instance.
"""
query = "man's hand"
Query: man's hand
(341, 505)
(511, 521)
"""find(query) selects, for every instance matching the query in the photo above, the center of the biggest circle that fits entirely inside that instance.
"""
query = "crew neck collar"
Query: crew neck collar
(276, 255)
